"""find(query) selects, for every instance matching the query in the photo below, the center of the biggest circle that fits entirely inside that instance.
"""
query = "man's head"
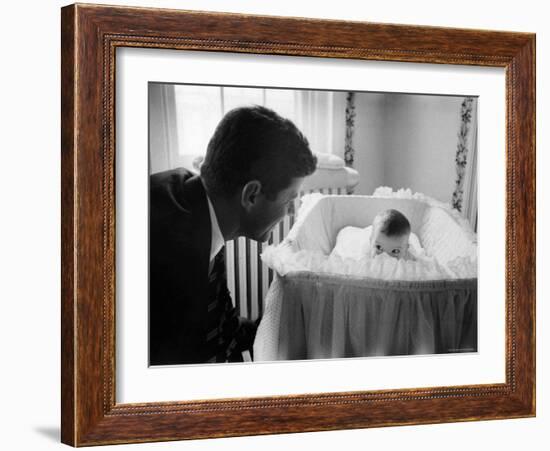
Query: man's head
(256, 161)
(390, 234)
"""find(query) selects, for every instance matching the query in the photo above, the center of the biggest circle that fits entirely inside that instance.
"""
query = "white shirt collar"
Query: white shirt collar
(217, 241)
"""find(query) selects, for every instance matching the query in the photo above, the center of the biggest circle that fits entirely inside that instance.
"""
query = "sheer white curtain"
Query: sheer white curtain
(163, 138)
(182, 118)
(470, 206)
(314, 116)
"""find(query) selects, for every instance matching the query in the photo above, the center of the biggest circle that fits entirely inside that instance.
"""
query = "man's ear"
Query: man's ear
(250, 193)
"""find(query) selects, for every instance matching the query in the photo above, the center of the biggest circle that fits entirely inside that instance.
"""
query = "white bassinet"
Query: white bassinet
(324, 306)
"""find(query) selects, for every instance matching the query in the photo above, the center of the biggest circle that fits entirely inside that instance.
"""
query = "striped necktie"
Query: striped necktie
(222, 320)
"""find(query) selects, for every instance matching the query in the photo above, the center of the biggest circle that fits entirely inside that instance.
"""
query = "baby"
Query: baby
(389, 233)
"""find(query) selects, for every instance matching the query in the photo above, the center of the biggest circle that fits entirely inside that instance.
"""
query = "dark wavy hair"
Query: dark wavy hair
(255, 143)
(392, 223)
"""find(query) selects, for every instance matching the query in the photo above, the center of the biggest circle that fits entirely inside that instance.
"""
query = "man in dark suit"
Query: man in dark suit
(254, 166)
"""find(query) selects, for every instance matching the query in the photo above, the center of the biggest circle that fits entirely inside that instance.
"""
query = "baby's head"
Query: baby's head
(390, 234)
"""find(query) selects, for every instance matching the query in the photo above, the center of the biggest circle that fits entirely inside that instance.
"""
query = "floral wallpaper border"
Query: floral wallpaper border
(462, 152)
(349, 151)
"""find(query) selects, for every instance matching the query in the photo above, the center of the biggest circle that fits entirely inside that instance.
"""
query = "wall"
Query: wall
(29, 230)
(369, 141)
(407, 141)
(421, 139)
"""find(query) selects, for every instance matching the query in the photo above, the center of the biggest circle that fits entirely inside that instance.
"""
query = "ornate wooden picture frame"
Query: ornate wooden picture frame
(90, 412)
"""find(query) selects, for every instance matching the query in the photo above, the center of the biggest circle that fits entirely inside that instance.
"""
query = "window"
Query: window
(184, 117)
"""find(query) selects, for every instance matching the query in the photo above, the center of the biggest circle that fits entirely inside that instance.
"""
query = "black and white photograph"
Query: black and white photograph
(293, 224)
(267, 226)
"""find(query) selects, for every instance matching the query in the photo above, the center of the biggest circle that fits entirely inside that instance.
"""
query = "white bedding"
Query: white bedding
(448, 249)
(354, 242)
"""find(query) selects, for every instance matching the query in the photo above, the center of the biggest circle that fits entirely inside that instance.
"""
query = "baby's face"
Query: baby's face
(394, 246)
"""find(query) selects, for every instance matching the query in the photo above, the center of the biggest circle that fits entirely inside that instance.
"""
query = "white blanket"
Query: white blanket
(354, 242)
